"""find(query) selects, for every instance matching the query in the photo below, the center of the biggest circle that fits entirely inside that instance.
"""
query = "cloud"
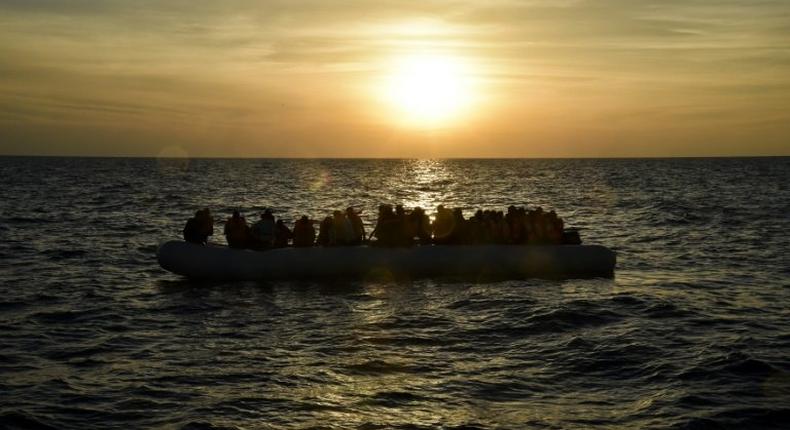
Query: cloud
(268, 69)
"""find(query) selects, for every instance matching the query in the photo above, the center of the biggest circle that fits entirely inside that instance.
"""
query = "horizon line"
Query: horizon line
(153, 157)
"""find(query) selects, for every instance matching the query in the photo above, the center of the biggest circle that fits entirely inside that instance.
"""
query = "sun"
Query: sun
(428, 90)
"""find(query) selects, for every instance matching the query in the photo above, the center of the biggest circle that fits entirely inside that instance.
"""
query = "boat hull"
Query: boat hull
(475, 262)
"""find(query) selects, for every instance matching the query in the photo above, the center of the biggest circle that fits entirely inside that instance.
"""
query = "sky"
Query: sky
(307, 78)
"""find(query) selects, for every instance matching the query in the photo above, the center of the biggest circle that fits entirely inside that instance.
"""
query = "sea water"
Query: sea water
(692, 332)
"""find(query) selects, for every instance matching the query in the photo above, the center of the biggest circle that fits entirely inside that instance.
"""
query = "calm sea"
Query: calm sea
(692, 333)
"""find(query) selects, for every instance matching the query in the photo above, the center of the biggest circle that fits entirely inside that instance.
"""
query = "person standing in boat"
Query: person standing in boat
(304, 232)
(237, 231)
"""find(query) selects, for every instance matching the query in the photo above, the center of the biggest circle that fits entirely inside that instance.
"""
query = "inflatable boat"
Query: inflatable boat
(469, 262)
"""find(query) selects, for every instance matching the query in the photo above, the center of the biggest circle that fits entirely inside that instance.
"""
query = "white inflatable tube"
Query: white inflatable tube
(475, 262)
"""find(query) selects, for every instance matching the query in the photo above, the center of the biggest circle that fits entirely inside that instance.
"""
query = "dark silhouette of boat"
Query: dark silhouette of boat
(465, 261)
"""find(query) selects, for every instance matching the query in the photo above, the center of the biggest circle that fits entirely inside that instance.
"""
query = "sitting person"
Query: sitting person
(571, 237)
(554, 228)
(344, 232)
(237, 231)
(443, 226)
(282, 234)
(199, 227)
(263, 231)
(206, 224)
(402, 233)
(357, 228)
(304, 232)
(460, 228)
(420, 225)
(387, 226)
(326, 232)
(515, 225)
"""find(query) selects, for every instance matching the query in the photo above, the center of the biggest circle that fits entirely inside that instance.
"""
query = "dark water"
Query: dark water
(693, 333)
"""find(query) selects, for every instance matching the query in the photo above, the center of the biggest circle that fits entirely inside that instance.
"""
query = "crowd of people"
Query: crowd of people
(395, 227)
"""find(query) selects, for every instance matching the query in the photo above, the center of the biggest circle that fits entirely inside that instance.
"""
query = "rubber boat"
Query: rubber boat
(471, 262)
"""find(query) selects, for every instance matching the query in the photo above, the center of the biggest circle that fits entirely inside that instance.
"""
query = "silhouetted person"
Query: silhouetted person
(237, 231)
(304, 232)
(553, 228)
(199, 228)
(344, 232)
(420, 225)
(571, 237)
(402, 234)
(263, 231)
(326, 232)
(443, 226)
(205, 224)
(387, 227)
(192, 232)
(459, 234)
(515, 225)
(282, 234)
(357, 228)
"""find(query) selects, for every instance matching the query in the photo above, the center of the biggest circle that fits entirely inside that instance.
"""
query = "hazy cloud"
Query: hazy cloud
(268, 73)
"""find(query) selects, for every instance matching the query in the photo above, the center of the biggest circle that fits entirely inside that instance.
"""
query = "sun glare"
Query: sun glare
(428, 90)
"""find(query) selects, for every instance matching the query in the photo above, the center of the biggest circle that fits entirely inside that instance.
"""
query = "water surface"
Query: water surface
(693, 332)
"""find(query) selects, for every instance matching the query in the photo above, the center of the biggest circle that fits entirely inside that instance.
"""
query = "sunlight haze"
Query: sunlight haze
(433, 78)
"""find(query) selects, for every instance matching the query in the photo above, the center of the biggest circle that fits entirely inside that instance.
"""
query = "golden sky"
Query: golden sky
(427, 78)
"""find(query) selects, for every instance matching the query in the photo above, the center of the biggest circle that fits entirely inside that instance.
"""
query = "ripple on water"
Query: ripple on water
(691, 333)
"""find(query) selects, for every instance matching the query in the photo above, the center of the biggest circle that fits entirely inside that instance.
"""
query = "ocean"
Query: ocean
(693, 332)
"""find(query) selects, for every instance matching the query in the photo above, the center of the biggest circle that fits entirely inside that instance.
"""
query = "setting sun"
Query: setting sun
(428, 90)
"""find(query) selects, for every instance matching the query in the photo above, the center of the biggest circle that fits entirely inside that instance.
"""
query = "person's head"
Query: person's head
(280, 222)
(236, 215)
(337, 214)
(350, 211)
(304, 218)
(399, 210)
